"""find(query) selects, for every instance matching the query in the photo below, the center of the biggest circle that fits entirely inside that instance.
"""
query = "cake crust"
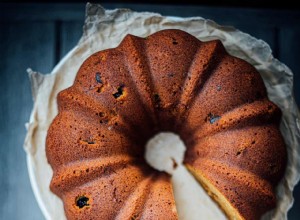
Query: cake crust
(169, 81)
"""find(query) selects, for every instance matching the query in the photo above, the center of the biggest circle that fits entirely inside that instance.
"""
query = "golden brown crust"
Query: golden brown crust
(169, 81)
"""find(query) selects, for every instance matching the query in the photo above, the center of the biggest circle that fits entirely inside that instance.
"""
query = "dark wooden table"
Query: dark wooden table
(39, 35)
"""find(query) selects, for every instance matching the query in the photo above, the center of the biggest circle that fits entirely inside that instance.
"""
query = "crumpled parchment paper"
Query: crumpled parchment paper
(105, 29)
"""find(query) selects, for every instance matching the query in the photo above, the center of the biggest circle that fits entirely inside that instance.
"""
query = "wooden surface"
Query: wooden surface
(39, 35)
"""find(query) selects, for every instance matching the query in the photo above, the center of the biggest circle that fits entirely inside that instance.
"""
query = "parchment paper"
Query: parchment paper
(105, 29)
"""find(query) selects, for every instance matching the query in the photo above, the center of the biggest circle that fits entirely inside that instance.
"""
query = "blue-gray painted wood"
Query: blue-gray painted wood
(289, 47)
(23, 45)
(70, 33)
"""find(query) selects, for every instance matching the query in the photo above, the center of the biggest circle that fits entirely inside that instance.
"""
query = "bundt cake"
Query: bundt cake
(169, 81)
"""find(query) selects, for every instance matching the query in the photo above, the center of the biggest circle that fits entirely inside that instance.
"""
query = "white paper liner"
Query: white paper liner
(105, 29)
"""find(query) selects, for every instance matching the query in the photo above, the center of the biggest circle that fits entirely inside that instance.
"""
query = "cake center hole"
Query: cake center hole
(165, 152)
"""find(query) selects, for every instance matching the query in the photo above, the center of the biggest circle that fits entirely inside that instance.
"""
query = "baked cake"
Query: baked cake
(169, 81)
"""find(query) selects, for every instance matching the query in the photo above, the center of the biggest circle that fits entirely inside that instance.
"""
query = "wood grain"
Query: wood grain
(23, 45)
